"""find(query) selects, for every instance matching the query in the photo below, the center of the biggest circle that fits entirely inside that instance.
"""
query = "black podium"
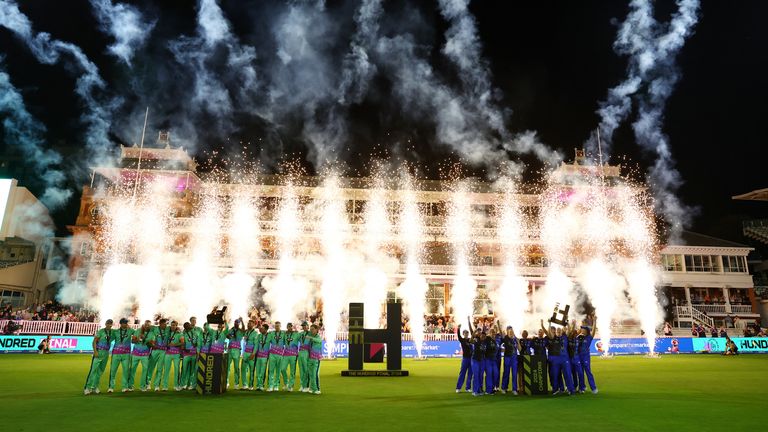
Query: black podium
(211, 373)
(533, 370)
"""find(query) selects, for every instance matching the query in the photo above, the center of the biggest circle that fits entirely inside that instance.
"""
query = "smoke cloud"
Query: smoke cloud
(652, 73)
(124, 23)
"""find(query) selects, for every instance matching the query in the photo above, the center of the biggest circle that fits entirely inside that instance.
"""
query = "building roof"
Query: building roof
(755, 195)
(689, 238)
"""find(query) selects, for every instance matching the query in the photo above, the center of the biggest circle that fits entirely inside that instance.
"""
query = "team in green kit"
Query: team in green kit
(257, 358)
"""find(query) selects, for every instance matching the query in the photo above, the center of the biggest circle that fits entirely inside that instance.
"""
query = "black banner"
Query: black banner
(534, 374)
(211, 374)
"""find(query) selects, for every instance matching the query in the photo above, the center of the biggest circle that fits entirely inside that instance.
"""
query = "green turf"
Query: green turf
(703, 392)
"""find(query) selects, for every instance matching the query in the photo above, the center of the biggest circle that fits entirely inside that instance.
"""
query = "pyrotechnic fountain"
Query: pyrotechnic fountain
(308, 243)
(414, 287)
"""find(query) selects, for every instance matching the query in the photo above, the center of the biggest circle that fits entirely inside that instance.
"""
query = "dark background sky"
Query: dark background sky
(552, 60)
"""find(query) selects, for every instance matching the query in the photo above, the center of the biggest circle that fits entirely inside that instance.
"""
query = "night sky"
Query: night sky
(551, 63)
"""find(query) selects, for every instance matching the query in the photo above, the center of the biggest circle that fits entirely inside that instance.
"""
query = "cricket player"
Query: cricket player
(121, 355)
(277, 343)
(290, 353)
(192, 342)
(263, 346)
(235, 336)
(491, 371)
(173, 357)
(214, 341)
(585, 341)
(303, 357)
(510, 361)
(479, 346)
(140, 356)
(466, 359)
(315, 354)
(573, 354)
(158, 341)
(101, 344)
(248, 368)
(557, 363)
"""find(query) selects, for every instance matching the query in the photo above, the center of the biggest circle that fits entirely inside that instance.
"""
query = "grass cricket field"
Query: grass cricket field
(676, 393)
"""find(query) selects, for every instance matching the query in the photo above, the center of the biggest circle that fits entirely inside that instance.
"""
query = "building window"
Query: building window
(436, 299)
(734, 264)
(672, 262)
(82, 275)
(85, 248)
(15, 298)
(482, 304)
(702, 263)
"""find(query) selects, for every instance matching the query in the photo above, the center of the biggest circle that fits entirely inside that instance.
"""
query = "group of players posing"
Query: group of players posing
(566, 349)
(259, 358)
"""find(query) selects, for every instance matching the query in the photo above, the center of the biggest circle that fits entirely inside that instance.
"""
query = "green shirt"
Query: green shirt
(158, 337)
(122, 338)
(175, 341)
(103, 338)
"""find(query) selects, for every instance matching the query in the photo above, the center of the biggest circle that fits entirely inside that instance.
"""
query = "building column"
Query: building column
(727, 299)
(688, 295)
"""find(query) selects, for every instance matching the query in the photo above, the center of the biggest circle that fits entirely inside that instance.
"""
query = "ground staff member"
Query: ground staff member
(303, 357)
(173, 357)
(192, 342)
(290, 352)
(315, 355)
(121, 355)
(248, 368)
(263, 345)
(101, 342)
(277, 343)
(140, 356)
(510, 361)
(158, 341)
(466, 359)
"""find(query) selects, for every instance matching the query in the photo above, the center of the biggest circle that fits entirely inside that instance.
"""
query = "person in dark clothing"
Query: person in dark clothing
(466, 359)
(539, 343)
(558, 363)
(479, 344)
(526, 348)
(491, 372)
(510, 361)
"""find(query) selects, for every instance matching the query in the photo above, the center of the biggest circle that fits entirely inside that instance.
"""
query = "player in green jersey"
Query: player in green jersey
(277, 341)
(263, 346)
(249, 356)
(315, 354)
(288, 364)
(121, 355)
(158, 341)
(140, 356)
(173, 357)
(101, 343)
(303, 357)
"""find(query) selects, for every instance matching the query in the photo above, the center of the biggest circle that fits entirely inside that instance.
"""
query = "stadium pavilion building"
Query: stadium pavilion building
(704, 279)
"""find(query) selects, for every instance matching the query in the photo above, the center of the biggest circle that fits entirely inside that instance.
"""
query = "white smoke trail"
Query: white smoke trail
(22, 131)
(651, 76)
(244, 249)
(125, 23)
(464, 49)
(216, 93)
(97, 114)
(358, 68)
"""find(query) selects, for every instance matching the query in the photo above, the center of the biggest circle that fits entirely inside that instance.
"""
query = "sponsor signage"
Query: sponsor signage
(29, 343)
(717, 345)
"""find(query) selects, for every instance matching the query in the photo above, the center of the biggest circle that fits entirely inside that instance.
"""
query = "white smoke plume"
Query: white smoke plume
(89, 83)
(464, 49)
(216, 92)
(652, 73)
(24, 132)
(125, 24)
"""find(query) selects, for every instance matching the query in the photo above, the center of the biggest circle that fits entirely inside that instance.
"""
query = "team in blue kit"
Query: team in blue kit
(489, 361)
